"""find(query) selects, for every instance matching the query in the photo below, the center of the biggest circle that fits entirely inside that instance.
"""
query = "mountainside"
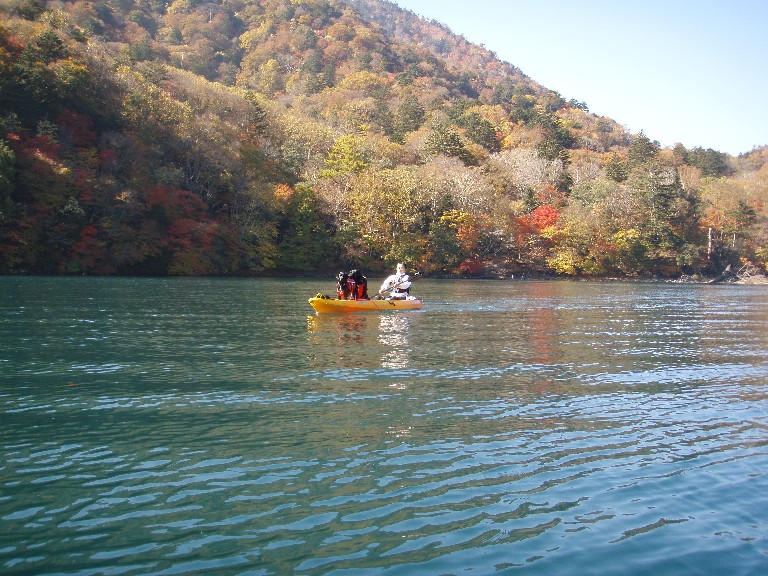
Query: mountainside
(299, 136)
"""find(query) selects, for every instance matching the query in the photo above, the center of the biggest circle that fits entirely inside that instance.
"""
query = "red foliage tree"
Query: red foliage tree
(539, 219)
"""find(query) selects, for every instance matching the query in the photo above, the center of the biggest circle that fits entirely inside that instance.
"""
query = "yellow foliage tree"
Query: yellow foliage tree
(344, 157)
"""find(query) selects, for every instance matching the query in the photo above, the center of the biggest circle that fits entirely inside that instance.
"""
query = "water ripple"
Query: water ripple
(156, 428)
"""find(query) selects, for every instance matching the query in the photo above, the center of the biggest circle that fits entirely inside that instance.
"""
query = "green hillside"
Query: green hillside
(305, 136)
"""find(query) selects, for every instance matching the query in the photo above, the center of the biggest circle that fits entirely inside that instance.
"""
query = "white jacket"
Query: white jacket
(397, 283)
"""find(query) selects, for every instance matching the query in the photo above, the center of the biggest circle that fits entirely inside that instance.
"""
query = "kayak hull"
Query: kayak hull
(336, 305)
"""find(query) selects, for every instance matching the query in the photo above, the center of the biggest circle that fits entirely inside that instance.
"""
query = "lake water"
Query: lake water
(217, 426)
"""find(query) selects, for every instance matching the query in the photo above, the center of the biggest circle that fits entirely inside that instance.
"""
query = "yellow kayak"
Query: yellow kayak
(336, 305)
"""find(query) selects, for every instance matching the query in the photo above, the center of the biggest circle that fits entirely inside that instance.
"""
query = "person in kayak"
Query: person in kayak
(358, 285)
(342, 286)
(398, 284)
(352, 285)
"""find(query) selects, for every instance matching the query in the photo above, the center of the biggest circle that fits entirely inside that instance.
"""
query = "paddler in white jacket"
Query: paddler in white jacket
(398, 285)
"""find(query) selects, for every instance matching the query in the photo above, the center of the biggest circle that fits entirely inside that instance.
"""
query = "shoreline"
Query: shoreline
(729, 278)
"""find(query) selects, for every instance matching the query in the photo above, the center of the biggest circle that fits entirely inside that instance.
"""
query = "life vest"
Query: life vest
(358, 285)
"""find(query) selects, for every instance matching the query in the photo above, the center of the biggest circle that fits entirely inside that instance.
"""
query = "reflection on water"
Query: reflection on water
(393, 335)
(341, 328)
(219, 426)
(353, 338)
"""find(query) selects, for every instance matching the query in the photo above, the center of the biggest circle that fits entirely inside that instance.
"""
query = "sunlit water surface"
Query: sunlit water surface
(192, 426)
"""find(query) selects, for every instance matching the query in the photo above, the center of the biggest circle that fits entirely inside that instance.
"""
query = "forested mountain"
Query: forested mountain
(298, 136)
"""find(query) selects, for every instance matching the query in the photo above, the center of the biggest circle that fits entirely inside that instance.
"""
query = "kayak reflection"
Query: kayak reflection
(359, 340)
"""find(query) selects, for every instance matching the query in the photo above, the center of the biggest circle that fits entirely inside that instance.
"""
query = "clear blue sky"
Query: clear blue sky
(689, 71)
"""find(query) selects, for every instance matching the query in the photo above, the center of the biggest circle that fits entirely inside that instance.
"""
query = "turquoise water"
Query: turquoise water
(195, 426)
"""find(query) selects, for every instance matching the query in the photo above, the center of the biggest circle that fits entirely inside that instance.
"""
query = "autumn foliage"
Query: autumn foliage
(297, 136)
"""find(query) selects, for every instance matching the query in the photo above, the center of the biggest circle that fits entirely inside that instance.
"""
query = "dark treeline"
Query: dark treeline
(298, 136)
